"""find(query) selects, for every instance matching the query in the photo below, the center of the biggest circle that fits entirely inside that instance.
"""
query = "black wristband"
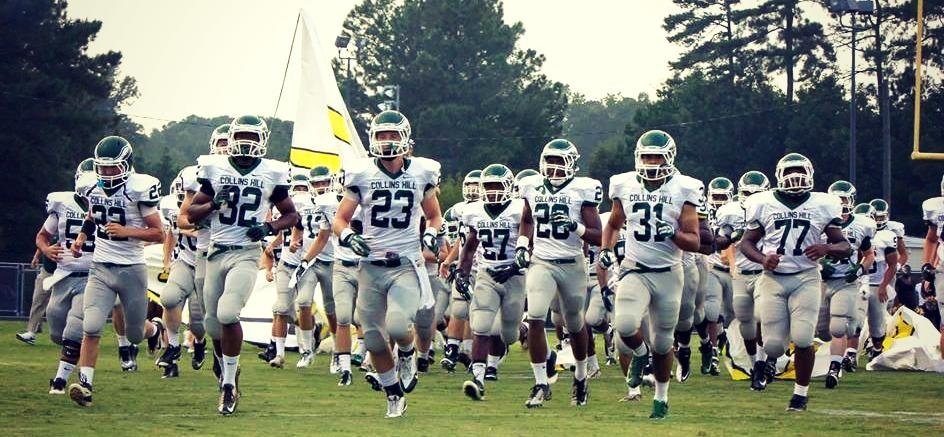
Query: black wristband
(88, 228)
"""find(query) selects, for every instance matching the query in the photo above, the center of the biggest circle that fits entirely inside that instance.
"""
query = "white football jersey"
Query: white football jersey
(184, 246)
(642, 206)
(545, 200)
(885, 241)
(496, 230)
(125, 205)
(732, 214)
(898, 228)
(933, 209)
(857, 229)
(391, 203)
(307, 215)
(326, 206)
(463, 235)
(789, 231)
(188, 177)
(252, 190)
(66, 213)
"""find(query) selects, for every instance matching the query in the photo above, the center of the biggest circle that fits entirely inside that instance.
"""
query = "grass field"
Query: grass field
(292, 402)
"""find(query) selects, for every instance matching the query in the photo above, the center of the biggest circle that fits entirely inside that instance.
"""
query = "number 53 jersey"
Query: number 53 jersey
(554, 241)
(391, 203)
(126, 205)
(642, 207)
(792, 229)
(251, 190)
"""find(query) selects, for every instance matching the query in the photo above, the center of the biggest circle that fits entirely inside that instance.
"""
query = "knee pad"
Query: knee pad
(482, 323)
(573, 321)
(626, 325)
(375, 341)
(460, 309)
(743, 309)
(282, 308)
(841, 327)
(398, 325)
(621, 346)
(70, 351)
(774, 347)
(662, 341)
(748, 330)
(599, 328)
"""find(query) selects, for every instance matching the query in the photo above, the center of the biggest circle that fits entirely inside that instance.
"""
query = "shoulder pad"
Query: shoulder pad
(144, 188)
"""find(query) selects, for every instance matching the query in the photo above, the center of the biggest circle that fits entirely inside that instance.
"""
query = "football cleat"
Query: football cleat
(771, 370)
(722, 340)
(277, 362)
(491, 374)
(334, 366)
(705, 349)
(374, 380)
(580, 393)
(474, 389)
(684, 364)
(26, 337)
(713, 370)
(594, 371)
(128, 356)
(81, 393)
(406, 370)
(849, 362)
(268, 353)
(539, 394)
(610, 361)
(345, 379)
(156, 341)
(305, 360)
(199, 355)
(466, 361)
(552, 368)
(357, 359)
(660, 409)
(797, 403)
(759, 376)
(171, 371)
(229, 399)
(57, 386)
(634, 395)
(396, 406)
(450, 358)
(832, 376)
(634, 379)
(874, 353)
(218, 370)
(170, 356)
(422, 365)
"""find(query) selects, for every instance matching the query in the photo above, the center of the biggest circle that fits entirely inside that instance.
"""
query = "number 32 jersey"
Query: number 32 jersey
(126, 205)
(252, 191)
(791, 230)
(391, 204)
(642, 207)
(495, 230)
(545, 200)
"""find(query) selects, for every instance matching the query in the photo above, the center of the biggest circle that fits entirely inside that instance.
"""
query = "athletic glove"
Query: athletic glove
(608, 296)
(300, 271)
(563, 221)
(462, 286)
(736, 235)
(355, 241)
(927, 272)
(163, 276)
(223, 197)
(854, 272)
(430, 241)
(607, 258)
(453, 270)
(522, 257)
(504, 273)
(664, 229)
(258, 232)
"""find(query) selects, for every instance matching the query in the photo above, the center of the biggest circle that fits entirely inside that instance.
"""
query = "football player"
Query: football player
(560, 212)
(838, 310)
(883, 220)
(181, 287)
(66, 210)
(881, 273)
(498, 297)
(122, 214)
(239, 188)
(392, 191)
(933, 251)
(692, 300)
(659, 206)
(797, 228)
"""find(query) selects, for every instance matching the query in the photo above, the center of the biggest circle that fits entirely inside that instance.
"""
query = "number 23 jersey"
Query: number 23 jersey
(642, 207)
(391, 203)
(791, 230)
(253, 190)
(126, 205)
(545, 200)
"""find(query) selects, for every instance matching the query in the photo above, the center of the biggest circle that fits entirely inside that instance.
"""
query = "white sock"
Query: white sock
(851, 351)
(642, 350)
(686, 345)
(65, 369)
(454, 341)
(467, 346)
(123, 341)
(492, 361)
(478, 371)
(389, 377)
(580, 370)
(662, 391)
(344, 360)
(86, 374)
(540, 372)
(592, 362)
(230, 364)
(424, 354)
(801, 390)
(173, 338)
(308, 338)
(761, 354)
(408, 349)
(280, 346)
(835, 358)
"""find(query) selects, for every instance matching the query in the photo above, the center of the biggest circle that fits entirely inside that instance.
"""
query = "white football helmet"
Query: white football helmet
(219, 140)
(248, 146)
(794, 182)
(470, 186)
(496, 184)
(558, 173)
(390, 121)
(655, 143)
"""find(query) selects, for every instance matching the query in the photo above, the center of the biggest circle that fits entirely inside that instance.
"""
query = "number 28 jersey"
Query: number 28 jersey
(791, 230)
(126, 205)
(642, 207)
(251, 190)
(391, 204)
(545, 200)
(495, 230)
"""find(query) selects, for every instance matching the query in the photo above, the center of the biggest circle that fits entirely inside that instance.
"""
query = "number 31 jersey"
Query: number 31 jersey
(642, 207)
(545, 200)
(251, 189)
(791, 230)
(127, 206)
(391, 203)
(495, 230)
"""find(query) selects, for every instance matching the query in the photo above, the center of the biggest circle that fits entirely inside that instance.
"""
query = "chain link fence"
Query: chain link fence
(16, 289)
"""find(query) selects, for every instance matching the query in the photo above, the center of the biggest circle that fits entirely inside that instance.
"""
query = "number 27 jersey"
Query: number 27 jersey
(546, 200)
(790, 230)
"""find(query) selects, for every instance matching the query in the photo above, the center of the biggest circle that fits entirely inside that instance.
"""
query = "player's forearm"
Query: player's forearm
(930, 245)
(42, 240)
(840, 249)
(183, 219)
(687, 241)
(902, 252)
(320, 242)
(168, 248)
(199, 211)
(592, 235)
(285, 221)
(609, 237)
(707, 244)
(451, 256)
(151, 235)
(465, 265)
(748, 246)
(602, 276)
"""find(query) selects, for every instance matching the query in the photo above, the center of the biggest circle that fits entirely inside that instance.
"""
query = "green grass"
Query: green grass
(290, 402)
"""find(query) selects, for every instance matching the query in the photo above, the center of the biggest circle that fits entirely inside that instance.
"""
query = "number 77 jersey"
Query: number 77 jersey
(792, 226)
(644, 207)
(555, 241)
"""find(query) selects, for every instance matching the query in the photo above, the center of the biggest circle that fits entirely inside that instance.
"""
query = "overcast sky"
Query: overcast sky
(215, 57)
